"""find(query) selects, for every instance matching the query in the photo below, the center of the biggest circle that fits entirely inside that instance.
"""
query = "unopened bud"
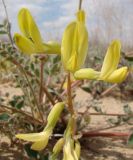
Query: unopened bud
(55, 114)
(58, 146)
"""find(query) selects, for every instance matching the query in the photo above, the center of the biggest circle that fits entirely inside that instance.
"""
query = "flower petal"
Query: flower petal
(52, 47)
(111, 59)
(40, 145)
(67, 42)
(82, 39)
(83, 44)
(118, 75)
(29, 28)
(67, 151)
(24, 44)
(23, 22)
(32, 137)
(72, 63)
(86, 73)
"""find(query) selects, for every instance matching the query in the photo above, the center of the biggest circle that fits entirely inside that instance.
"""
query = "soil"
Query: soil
(96, 148)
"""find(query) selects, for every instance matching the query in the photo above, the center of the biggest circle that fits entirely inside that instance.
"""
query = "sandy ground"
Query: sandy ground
(106, 148)
(95, 148)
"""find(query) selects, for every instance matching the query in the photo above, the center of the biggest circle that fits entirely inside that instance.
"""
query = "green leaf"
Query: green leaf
(56, 59)
(86, 88)
(1, 25)
(32, 66)
(4, 117)
(127, 109)
(37, 72)
(12, 103)
(3, 32)
(17, 102)
(130, 140)
(20, 104)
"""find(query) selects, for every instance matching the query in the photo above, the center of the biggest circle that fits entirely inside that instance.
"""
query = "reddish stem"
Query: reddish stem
(105, 134)
(74, 84)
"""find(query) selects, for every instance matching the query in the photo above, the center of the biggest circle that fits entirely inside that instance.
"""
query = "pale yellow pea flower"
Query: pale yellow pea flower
(41, 139)
(109, 71)
(75, 44)
(71, 151)
(31, 41)
(67, 151)
(57, 148)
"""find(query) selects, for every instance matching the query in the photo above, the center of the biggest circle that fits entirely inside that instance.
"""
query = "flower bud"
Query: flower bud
(55, 114)
(57, 148)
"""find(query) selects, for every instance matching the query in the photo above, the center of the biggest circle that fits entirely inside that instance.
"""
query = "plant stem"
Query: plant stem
(26, 93)
(32, 91)
(22, 112)
(73, 85)
(9, 25)
(30, 74)
(62, 83)
(70, 104)
(46, 92)
(105, 134)
(107, 91)
(106, 114)
(80, 4)
(41, 80)
(22, 70)
(109, 127)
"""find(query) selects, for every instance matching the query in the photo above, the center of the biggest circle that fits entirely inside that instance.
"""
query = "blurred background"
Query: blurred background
(106, 20)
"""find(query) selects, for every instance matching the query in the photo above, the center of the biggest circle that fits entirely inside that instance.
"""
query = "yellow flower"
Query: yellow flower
(55, 114)
(31, 41)
(71, 151)
(109, 71)
(75, 44)
(41, 139)
(57, 148)
(77, 149)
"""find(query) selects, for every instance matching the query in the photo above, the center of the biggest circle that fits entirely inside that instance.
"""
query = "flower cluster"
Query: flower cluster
(73, 51)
